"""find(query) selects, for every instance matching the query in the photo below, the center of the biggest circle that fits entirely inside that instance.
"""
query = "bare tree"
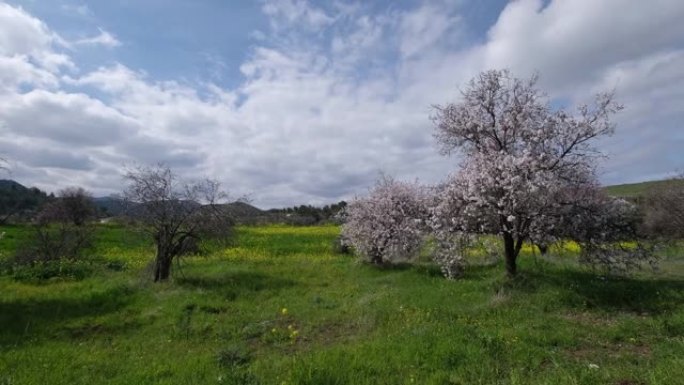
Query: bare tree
(62, 229)
(519, 154)
(76, 205)
(174, 212)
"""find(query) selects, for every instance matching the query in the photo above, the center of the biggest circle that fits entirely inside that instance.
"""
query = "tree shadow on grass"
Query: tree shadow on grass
(23, 321)
(236, 283)
(588, 290)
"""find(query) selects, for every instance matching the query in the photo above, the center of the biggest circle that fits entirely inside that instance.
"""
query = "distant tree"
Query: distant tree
(519, 154)
(607, 229)
(308, 214)
(77, 204)
(387, 225)
(663, 208)
(174, 212)
(61, 229)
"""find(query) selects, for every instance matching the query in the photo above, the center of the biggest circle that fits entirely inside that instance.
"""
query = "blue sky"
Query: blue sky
(295, 101)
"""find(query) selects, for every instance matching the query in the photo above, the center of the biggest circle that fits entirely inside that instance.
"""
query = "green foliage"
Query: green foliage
(230, 317)
(62, 269)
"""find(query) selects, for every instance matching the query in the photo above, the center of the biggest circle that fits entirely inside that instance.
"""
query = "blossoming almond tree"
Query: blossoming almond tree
(387, 225)
(519, 155)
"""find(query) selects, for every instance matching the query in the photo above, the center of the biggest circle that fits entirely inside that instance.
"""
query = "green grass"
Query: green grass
(634, 190)
(279, 307)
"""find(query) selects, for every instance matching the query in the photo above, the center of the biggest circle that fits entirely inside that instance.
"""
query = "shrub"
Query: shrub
(387, 226)
(61, 231)
(664, 210)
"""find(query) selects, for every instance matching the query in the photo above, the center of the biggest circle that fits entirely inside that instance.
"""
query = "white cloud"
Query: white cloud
(296, 13)
(104, 39)
(420, 29)
(576, 40)
(21, 33)
(79, 9)
(25, 37)
(318, 115)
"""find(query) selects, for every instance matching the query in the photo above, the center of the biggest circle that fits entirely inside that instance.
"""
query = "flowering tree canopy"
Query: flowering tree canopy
(387, 225)
(520, 157)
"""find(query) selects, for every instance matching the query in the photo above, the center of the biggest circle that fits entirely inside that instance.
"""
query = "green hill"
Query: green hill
(17, 200)
(634, 190)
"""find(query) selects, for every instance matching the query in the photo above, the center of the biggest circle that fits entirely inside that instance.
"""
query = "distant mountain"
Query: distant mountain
(244, 213)
(17, 200)
(109, 206)
(242, 209)
(8, 184)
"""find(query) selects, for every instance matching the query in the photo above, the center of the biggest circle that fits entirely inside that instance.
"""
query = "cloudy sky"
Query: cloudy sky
(295, 101)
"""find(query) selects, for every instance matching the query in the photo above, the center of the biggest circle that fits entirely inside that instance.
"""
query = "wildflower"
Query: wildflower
(273, 330)
(283, 311)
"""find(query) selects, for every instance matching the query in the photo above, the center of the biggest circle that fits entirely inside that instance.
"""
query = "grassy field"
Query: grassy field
(280, 307)
(634, 190)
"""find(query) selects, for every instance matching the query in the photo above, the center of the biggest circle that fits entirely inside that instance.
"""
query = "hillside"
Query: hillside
(17, 200)
(243, 210)
(110, 206)
(634, 190)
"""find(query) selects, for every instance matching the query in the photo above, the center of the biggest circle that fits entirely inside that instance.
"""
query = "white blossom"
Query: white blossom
(520, 157)
(387, 226)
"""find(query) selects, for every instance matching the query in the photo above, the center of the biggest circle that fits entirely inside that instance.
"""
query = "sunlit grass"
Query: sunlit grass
(279, 306)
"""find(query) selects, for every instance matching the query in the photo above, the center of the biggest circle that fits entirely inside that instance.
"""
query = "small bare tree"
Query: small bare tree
(174, 212)
(62, 229)
(76, 205)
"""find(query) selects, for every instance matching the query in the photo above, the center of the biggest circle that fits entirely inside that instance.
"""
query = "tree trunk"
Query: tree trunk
(511, 254)
(543, 249)
(376, 256)
(162, 267)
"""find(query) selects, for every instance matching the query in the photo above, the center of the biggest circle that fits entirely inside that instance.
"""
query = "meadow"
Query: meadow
(280, 306)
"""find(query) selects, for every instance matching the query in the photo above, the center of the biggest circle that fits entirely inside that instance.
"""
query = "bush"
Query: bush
(64, 269)
(664, 210)
(55, 242)
(387, 226)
